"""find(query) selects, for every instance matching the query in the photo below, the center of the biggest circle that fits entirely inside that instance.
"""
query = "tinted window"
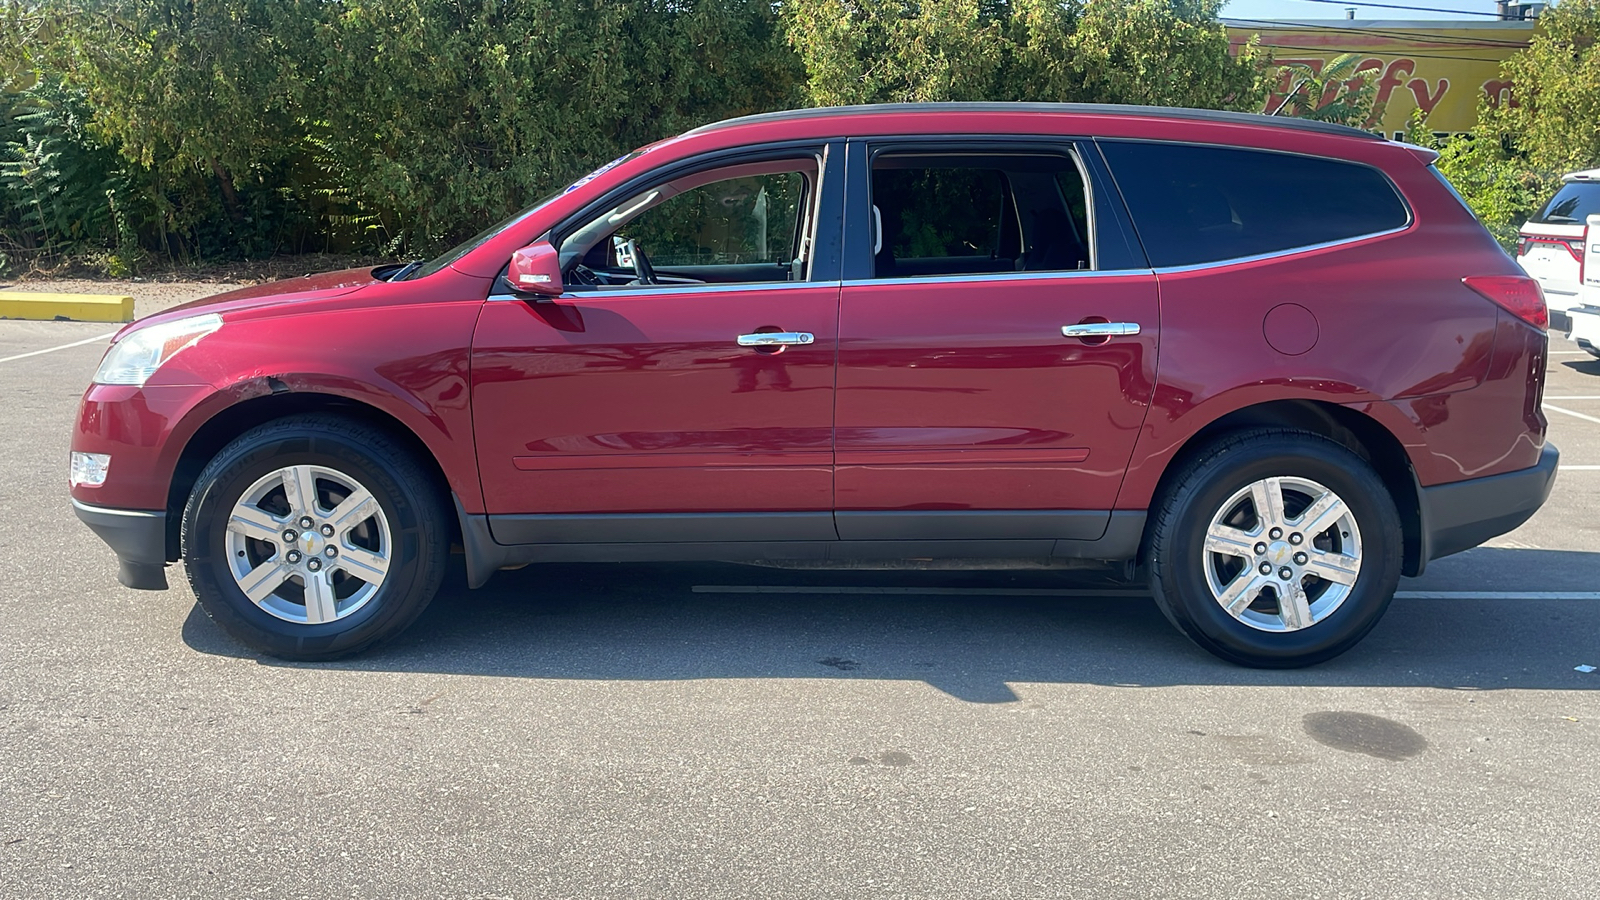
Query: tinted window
(1572, 205)
(940, 212)
(1203, 204)
(955, 214)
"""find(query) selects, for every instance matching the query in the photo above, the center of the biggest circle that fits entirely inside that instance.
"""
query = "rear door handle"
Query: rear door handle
(1100, 329)
(776, 339)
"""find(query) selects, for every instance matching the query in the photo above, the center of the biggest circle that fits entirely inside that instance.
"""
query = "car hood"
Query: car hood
(290, 290)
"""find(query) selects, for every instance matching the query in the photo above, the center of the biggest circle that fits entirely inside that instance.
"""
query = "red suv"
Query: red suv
(1276, 364)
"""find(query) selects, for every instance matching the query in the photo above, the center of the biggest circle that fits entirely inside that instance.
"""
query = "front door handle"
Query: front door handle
(776, 339)
(1100, 329)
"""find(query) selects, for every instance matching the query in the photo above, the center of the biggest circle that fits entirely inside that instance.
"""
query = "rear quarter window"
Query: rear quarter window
(1572, 205)
(1193, 204)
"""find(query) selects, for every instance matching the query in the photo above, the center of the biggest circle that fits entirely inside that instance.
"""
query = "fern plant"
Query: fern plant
(1338, 93)
(56, 180)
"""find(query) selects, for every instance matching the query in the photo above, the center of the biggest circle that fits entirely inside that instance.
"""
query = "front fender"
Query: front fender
(409, 362)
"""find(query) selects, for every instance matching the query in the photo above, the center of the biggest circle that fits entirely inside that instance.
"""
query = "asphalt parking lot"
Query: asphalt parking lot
(722, 731)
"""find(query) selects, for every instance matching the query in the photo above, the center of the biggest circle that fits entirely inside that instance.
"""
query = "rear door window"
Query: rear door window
(1572, 205)
(977, 214)
(1194, 204)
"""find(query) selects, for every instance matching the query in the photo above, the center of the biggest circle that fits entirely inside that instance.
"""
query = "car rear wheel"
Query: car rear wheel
(314, 537)
(1275, 549)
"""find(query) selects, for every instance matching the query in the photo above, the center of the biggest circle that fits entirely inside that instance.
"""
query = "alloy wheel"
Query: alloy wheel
(308, 544)
(1282, 553)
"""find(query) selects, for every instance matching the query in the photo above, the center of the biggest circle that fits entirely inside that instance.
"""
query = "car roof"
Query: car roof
(1585, 175)
(1099, 109)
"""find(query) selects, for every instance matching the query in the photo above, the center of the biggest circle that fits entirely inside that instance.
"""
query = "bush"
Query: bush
(243, 128)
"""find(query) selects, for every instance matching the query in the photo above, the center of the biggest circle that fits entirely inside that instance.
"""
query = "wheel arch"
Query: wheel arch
(234, 420)
(1354, 430)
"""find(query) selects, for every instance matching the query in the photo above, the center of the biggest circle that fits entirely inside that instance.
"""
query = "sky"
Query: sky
(1307, 9)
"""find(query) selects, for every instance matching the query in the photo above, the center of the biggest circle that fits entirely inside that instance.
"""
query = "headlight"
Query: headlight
(136, 357)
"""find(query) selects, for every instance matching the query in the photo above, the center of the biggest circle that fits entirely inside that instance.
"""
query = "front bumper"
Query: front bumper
(138, 537)
(1463, 514)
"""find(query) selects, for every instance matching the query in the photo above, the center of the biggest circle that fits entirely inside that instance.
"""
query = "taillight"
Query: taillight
(1516, 294)
(1577, 251)
(1522, 245)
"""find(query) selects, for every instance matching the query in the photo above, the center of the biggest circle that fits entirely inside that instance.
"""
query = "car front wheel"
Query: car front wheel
(1275, 549)
(314, 537)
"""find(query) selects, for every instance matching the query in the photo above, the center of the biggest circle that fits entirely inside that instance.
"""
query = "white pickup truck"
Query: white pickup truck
(1585, 316)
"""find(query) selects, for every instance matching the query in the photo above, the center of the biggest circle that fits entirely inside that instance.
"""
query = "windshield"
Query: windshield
(1572, 205)
(471, 244)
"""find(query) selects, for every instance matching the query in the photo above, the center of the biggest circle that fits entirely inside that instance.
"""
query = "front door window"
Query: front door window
(744, 224)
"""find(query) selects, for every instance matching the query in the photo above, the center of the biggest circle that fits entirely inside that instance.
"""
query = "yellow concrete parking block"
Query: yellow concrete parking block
(77, 307)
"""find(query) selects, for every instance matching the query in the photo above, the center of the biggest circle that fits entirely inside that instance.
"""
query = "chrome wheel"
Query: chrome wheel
(1282, 554)
(308, 544)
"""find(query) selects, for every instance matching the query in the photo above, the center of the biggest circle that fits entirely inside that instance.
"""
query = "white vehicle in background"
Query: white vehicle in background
(1584, 319)
(1551, 245)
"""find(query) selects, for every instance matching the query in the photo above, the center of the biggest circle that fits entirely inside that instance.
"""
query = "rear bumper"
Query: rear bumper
(138, 537)
(1583, 326)
(1463, 514)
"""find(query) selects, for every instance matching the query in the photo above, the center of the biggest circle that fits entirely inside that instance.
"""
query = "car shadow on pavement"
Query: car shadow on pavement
(647, 622)
(1586, 366)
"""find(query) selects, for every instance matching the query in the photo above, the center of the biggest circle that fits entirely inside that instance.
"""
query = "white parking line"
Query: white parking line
(1575, 415)
(1497, 595)
(1569, 353)
(1576, 397)
(1579, 468)
(1108, 592)
(100, 337)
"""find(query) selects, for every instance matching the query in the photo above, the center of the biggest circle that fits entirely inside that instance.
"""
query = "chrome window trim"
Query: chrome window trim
(1001, 276)
(1276, 254)
(675, 290)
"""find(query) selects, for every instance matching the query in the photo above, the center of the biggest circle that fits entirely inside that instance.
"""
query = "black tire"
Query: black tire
(1198, 491)
(406, 492)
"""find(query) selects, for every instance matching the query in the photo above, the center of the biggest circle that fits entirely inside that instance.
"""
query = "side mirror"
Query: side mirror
(536, 270)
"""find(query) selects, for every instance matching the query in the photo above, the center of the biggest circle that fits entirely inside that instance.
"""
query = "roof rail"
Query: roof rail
(1114, 109)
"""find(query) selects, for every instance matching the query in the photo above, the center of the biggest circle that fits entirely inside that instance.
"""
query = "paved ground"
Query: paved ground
(647, 731)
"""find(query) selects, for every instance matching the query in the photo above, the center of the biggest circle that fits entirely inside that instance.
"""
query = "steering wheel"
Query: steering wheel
(642, 269)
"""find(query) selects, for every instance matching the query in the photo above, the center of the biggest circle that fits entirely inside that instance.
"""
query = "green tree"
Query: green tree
(1515, 156)
(1156, 52)
(182, 87)
(1163, 52)
(1555, 121)
(244, 127)
(438, 116)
